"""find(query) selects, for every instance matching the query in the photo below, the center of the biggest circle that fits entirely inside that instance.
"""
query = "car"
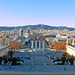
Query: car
(53, 57)
(58, 62)
(27, 57)
(20, 62)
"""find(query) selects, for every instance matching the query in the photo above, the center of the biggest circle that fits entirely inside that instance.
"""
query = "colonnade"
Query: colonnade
(32, 45)
(70, 41)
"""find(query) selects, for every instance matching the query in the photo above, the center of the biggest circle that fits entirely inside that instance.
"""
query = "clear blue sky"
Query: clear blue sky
(50, 12)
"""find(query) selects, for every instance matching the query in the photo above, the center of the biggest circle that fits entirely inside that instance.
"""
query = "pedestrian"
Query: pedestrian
(64, 68)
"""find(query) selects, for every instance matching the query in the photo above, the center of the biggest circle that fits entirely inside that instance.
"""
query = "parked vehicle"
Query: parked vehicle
(27, 57)
(53, 57)
(58, 62)
(19, 62)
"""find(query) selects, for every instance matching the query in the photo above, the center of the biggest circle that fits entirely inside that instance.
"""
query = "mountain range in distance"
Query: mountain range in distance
(37, 27)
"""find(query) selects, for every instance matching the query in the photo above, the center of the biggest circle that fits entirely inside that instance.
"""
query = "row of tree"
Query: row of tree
(15, 45)
(59, 45)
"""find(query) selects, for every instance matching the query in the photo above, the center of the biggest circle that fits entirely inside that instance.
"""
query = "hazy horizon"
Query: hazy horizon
(36, 24)
(33, 12)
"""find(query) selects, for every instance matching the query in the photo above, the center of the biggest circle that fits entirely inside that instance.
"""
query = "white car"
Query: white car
(57, 62)
(20, 62)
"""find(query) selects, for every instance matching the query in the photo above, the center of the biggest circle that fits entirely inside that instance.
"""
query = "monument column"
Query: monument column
(39, 46)
(43, 47)
(73, 41)
(35, 46)
(32, 46)
(67, 42)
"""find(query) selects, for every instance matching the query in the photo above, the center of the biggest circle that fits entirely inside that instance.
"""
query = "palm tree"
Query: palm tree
(64, 54)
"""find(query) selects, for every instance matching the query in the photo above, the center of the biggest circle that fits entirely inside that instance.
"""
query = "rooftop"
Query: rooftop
(2, 47)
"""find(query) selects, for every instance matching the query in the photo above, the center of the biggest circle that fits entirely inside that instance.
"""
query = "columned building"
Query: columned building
(70, 46)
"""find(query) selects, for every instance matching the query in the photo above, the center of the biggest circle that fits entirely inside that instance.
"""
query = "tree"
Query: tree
(59, 45)
(15, 45)
(53, 44)
(64, 54)
(26, 43)
(29, 41)
(63, 59)
(10, 53)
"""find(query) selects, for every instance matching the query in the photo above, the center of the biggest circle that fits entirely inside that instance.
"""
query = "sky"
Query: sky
(32, 12)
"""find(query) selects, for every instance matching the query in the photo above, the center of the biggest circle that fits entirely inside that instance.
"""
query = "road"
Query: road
(37, 73)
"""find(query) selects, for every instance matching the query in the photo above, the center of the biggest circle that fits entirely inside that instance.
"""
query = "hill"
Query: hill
(37, 27)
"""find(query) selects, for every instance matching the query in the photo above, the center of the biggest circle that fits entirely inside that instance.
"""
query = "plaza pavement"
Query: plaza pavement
(36, 58)
(37, 73)
(38, 68)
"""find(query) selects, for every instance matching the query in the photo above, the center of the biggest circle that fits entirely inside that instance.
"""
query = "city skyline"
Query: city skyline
(31, 12)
